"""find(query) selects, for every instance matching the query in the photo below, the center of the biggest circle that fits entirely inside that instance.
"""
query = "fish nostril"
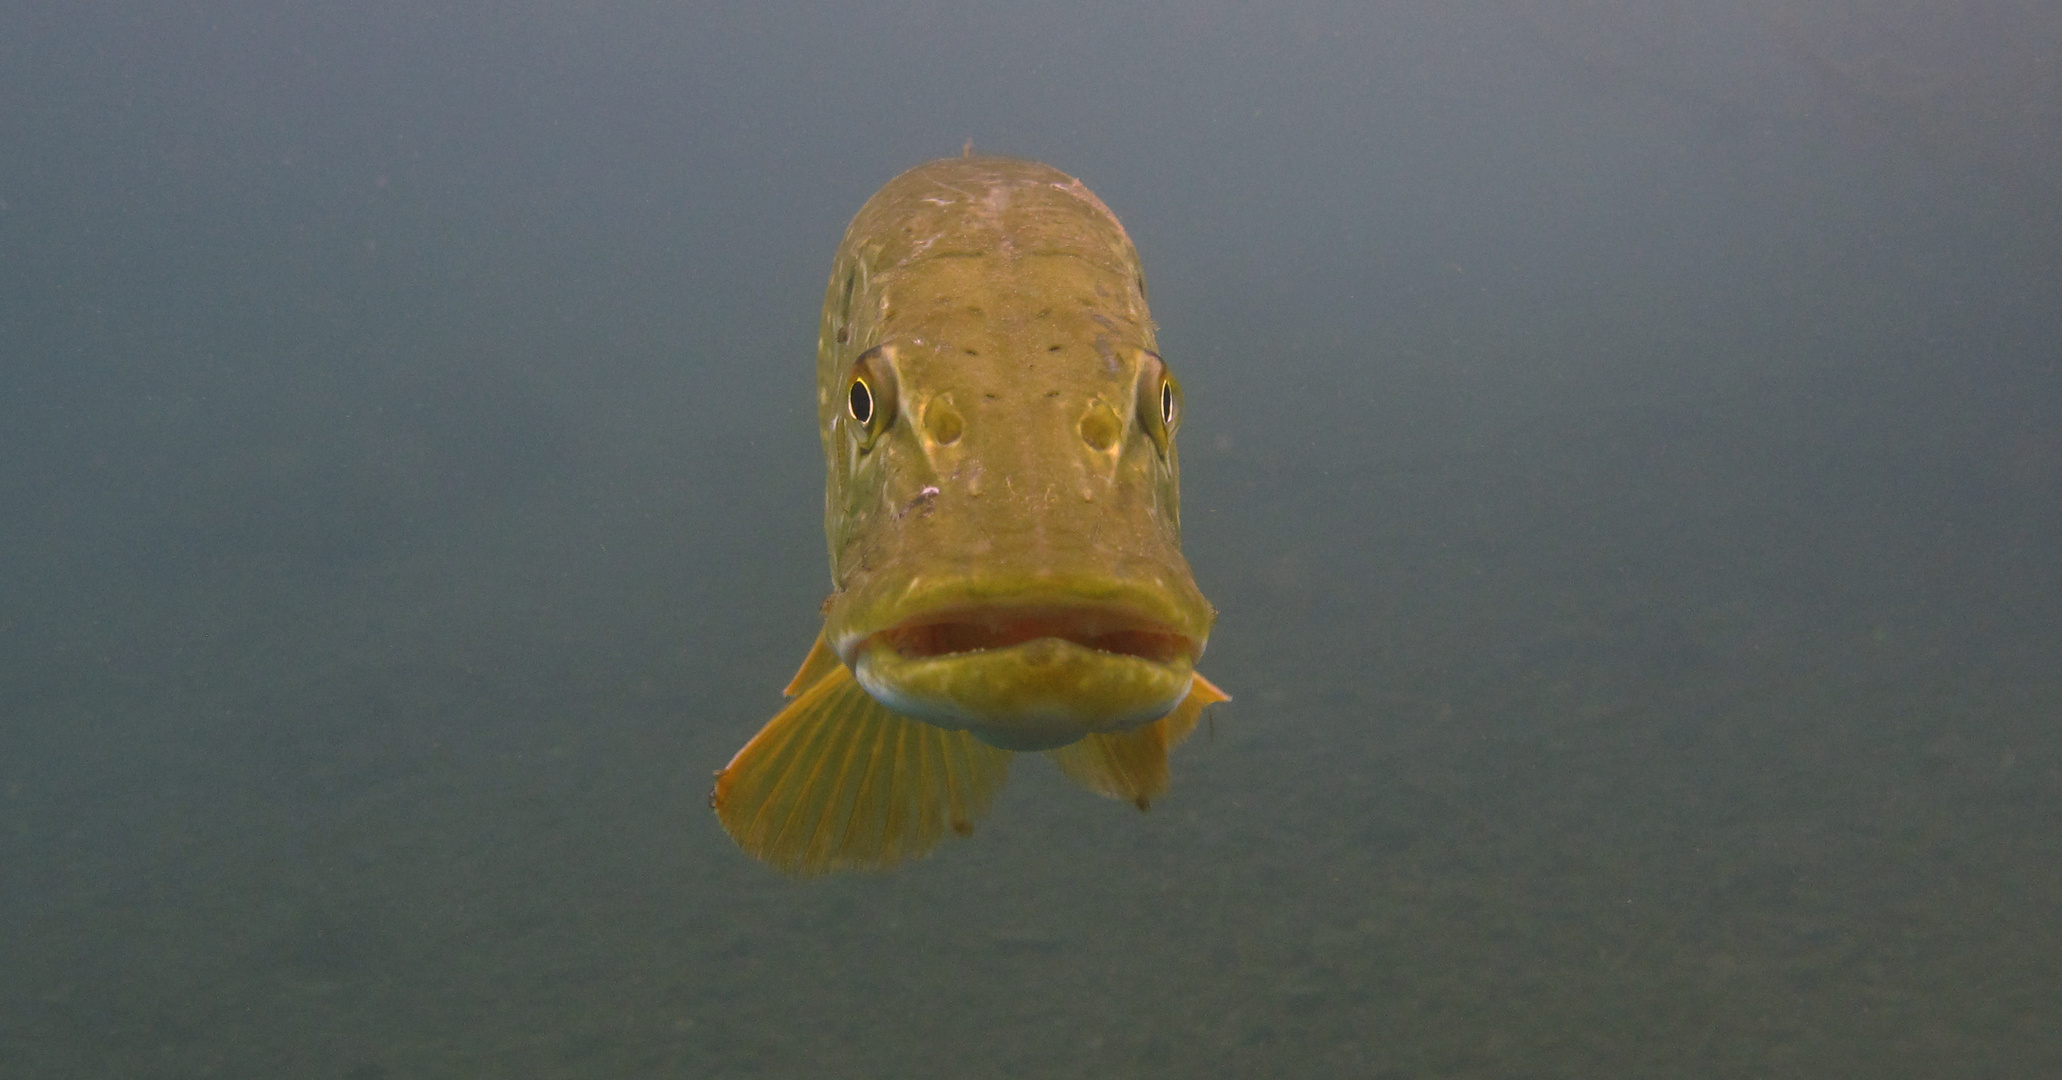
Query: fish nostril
(942, 423)
(1100, 427)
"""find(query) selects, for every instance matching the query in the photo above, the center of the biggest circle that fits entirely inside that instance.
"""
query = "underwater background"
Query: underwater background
(1625, 446)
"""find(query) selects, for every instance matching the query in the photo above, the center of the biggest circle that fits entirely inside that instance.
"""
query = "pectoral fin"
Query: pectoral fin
(820, 662)
(837, 782)
(1132, 765)
(1202, 694)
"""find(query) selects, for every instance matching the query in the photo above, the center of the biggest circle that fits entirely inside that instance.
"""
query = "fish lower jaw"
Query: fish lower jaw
(1035, 695)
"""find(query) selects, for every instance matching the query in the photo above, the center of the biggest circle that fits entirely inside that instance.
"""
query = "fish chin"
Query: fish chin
(1035, 695)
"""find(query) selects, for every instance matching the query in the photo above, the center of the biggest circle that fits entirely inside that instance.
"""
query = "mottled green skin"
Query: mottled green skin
(1010, 306)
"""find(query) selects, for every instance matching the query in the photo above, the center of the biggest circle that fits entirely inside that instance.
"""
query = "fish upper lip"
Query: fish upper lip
(974, 628)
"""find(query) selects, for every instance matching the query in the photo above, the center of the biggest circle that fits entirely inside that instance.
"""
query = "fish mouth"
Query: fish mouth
(978, 629)
(1029, 677)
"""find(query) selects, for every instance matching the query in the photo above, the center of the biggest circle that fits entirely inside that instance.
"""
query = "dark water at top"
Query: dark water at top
(1625, 443)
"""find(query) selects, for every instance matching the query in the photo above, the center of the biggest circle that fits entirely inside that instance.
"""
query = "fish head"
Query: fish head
(1003, 504)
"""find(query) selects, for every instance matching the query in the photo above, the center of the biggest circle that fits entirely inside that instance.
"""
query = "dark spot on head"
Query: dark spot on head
(970, 352)
(841, 335)
(1054, 348)
(990, 397)
(1052, 393)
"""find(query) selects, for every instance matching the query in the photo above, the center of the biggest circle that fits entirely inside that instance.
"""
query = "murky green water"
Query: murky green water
(1634, 526)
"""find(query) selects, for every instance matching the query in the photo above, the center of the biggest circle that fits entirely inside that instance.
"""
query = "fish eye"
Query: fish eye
(1159, 402)
(861, 401)
(870, 396)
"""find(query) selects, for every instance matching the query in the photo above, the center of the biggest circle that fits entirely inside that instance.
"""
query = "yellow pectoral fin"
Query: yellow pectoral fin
(1202, 694)
(820, 661)
(837, 782)
(1132, 765)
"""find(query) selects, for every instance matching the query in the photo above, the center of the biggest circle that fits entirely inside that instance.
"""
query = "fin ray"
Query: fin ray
(837, 781)
(781, 750)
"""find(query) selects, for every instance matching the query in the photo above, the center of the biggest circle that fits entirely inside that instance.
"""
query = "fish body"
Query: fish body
(1003, 514)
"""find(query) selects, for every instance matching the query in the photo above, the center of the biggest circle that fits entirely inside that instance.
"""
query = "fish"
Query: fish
(1002, 507)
